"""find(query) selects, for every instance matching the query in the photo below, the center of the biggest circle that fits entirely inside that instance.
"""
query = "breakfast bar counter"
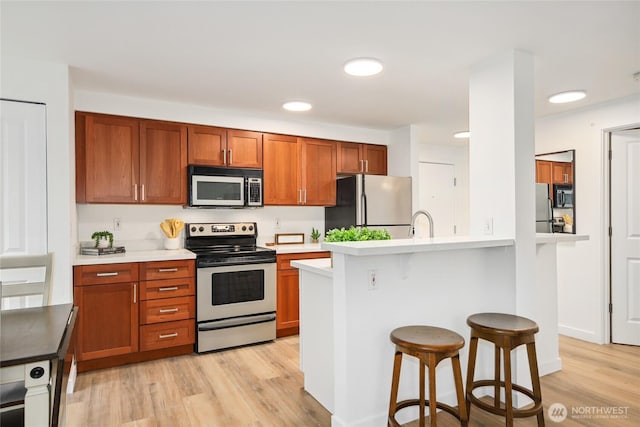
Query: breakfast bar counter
(349, 304)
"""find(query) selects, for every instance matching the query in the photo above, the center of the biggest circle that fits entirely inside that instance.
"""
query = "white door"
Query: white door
(625, 237)
(437, 196)
(23, 171)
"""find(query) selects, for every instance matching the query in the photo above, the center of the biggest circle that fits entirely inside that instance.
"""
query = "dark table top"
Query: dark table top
(33, 334)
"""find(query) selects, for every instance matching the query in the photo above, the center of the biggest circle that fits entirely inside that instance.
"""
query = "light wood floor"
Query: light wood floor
(262, 386)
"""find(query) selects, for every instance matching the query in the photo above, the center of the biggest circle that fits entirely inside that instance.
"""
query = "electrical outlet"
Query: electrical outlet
(373, 280)
(116, 224)
(488, 226)
(277, 224)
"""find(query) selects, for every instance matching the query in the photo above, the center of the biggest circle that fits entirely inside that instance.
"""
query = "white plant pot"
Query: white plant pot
(103, 243)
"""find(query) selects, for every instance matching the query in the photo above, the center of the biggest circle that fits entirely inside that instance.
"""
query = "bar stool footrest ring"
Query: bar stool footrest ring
(416, 402)
(517, 413)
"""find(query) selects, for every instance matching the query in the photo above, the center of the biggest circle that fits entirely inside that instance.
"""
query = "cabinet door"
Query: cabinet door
(375, 159)
(107, 158)
(318, 172)
(244, 149)
(163, 162)
(349, 158)
(206, 145)
(288, 308)
(281, 170)
(107, 320)
(562, 173)
(544, 172)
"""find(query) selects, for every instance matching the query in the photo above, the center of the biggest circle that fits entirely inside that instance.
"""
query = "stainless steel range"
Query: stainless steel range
(235, 285)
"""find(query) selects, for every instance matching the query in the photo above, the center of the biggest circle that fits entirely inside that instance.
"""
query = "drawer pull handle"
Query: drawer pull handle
(115, 273)
(175, 334)
(167, 270)
(170, 288)
(168, 310)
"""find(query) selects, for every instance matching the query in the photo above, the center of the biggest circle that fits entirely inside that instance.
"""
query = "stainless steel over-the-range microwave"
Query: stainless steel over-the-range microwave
(214, 187)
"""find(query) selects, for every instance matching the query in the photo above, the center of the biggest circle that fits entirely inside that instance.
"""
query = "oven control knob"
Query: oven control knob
(193, 229)
(251, 228)
(201, 228)
(244, 228)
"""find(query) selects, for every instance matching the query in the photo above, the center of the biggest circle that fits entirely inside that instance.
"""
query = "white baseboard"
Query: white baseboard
(580, 334)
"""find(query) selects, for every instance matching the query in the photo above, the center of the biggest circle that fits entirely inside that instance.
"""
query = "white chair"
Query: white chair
(25, 281)
(22, 278)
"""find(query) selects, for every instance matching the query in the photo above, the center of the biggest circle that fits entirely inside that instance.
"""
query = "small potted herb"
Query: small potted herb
(103, 239)
(315, 235)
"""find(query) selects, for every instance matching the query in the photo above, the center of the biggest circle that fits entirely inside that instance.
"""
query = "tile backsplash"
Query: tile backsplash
(140, 225)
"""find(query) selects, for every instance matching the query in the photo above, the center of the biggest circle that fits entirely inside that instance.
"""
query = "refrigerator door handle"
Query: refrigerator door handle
(363, 200)
(549, 203)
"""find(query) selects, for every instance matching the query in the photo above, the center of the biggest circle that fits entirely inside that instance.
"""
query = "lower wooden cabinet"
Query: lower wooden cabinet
(107, 320)
(288, 295)
(123, 318)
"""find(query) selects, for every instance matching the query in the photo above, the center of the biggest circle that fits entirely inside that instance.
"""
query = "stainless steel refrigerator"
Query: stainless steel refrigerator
(544, 213)
(374, 201)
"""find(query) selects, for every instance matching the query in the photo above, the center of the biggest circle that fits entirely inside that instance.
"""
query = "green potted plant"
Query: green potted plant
(103, 239)
(354, 234)
(315, 235)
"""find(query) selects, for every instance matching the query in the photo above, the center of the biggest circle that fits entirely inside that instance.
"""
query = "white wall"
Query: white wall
(37, 81)
(582, 273)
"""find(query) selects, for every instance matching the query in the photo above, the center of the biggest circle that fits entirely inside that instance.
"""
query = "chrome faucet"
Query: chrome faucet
(412, 228)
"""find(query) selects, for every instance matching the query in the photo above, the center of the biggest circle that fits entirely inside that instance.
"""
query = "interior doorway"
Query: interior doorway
(437, 196)
(624, 234)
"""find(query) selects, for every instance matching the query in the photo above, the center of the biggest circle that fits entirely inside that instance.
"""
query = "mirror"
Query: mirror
(555, 192)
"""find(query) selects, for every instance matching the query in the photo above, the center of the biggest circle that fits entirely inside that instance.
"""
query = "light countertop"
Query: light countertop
(403, 246)
(321, 266)
(294, 249)
(542, 238)
(135, 256)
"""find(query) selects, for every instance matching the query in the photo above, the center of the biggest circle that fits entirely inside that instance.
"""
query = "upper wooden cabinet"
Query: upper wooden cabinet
(163, 162)
(281, 170)
(355, 158)
(129, 160)
(544, 171)
(107, 158)
(562, 172)
(215, 146)
(299, 171)
(317, 172)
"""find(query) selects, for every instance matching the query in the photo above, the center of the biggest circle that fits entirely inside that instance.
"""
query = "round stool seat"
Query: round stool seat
(502, 324)
(427, 339)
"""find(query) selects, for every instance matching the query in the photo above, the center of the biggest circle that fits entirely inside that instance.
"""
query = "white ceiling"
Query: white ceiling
(253, 56)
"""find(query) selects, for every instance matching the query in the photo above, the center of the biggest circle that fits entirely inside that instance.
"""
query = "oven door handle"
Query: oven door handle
(237, 321)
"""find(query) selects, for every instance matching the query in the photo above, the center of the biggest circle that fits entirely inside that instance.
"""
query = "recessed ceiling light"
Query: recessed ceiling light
(463, 134)
(569, 96)
(296, 106)
(363, 67)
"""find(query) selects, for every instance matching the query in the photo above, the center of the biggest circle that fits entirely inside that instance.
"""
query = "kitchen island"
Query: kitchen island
(348, 309)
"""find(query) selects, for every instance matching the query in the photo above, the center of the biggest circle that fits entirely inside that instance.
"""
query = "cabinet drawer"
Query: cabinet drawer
(284, 260)
(167, 269)
(155, 289)
(101, 274)
(169, 334)
(167, 310)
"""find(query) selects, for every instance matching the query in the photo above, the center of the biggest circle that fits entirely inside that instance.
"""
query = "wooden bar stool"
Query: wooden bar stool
(430, 345)
(506, 332)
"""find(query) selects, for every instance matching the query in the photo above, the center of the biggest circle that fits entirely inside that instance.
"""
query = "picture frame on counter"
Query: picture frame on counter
(289, 239)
